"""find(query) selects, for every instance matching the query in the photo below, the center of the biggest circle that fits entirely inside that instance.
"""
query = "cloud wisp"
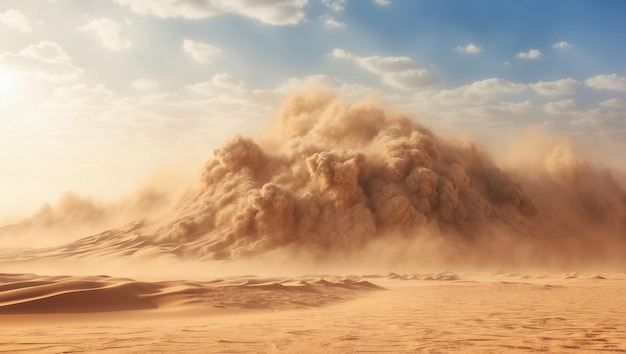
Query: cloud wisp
(470, 49)
(108, 33)
(561, 45)
(561, 87)
(200, 52)
(531, 54)
(278, 13)
(16, 20)
(479, 91)
(398, 72)
(43, 61)
(610, 82)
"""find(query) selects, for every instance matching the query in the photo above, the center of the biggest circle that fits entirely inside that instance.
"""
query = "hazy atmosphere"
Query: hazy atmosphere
(102, 95)
(203, 166)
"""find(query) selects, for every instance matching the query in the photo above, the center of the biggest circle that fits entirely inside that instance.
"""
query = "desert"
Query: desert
(445, 312)
(312, 176)
(226, 268)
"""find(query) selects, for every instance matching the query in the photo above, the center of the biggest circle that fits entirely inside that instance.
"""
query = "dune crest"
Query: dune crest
(33, 294)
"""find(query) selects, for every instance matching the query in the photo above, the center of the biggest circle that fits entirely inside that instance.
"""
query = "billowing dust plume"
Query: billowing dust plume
(334, 178)
(336, 182)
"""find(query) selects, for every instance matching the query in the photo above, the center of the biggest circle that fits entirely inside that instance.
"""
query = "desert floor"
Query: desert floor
(488, 312)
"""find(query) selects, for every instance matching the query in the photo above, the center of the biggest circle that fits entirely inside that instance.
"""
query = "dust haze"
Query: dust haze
(360, 186)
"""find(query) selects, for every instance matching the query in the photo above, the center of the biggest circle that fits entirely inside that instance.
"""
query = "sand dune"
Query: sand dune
(32, 294)
(441, 312)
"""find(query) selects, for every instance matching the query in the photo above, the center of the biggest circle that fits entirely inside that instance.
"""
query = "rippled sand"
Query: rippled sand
(444, 312)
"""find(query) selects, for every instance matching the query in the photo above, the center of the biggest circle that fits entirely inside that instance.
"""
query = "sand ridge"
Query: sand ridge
(33, 294)
(438, 312)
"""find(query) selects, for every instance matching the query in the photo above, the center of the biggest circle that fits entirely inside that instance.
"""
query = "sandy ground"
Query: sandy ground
(495, 312)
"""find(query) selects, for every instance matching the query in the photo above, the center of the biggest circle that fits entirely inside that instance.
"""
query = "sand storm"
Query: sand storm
(331, 178)
(346, 192)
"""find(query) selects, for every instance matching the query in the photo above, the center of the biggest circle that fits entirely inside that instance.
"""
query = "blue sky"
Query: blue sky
(90, 87)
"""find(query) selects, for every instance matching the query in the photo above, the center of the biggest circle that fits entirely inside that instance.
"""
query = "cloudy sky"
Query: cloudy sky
(96, 94)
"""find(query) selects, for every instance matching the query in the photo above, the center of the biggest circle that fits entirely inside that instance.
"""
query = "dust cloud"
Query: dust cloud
(73, 216)
(335, 178)
(359, 184)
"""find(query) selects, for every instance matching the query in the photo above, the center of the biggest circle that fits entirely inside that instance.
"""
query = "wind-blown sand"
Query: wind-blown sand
(393, 313)
(335, 188)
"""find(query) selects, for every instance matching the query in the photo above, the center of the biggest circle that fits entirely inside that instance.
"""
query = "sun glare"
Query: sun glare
(6, 80)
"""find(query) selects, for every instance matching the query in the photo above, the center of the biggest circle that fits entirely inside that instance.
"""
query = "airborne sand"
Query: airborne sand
(334, 188)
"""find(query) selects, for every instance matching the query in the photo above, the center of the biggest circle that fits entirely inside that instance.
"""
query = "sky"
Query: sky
(98, 95)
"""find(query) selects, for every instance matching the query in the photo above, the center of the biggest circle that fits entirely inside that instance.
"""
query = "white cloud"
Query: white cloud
(16, 20)
(222, 84)
(340, 53)
(170, 9)
(399, 72)
(200, 52)
(470, 48)
(144, 85)
(504, 110)
(43, 61)
(613, 103)
(479, 91)
(556, 88)
(108, 32)
(278, 12)
(607, 82)
(226, 89)
(382, 2)
(294, 84)
(81, 96)
(562, 107)
(331, 23)
(604, 123)
(335, 5)
(531, 54)
(561, 45)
